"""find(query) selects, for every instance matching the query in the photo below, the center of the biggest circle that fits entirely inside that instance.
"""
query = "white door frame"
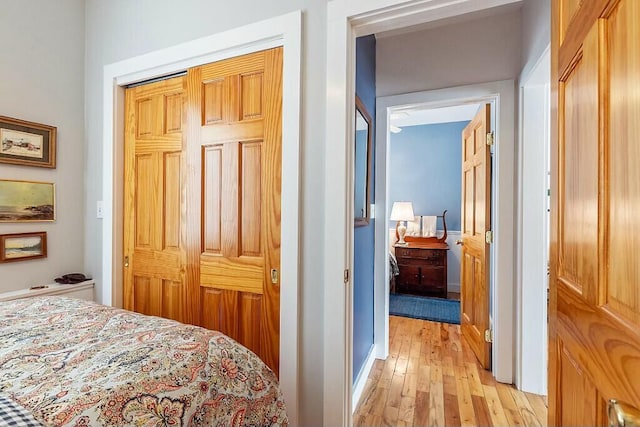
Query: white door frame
(347, 19)
(500, 95)
(533, 228)
(284, 30)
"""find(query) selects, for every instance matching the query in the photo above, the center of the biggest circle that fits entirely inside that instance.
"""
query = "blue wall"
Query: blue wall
(364, 236)
(425, 169)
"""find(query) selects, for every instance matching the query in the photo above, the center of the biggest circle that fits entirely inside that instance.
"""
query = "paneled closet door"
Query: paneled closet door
(154, 201)
(234, 179)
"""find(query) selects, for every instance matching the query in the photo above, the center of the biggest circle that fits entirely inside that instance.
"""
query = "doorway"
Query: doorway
(347, 20)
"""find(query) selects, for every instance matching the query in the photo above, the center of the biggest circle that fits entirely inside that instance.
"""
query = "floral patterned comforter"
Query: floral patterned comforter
(77, 363)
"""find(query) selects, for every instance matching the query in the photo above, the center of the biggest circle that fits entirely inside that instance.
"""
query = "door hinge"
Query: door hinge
(488, 335)
(490, 139)
(346, 276)
(488, 237)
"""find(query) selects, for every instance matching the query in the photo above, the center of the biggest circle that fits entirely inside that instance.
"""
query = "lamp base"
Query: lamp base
(401, 230)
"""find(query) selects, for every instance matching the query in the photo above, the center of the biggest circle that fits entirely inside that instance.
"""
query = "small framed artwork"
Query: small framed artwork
(27, 143)
(23, 246)
(27, 201)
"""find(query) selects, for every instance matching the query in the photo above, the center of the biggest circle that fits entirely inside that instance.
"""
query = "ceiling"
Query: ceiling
(415, 116)
(458, 19)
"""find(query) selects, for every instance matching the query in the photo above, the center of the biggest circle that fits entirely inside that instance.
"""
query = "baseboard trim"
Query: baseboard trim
(453, 287)
(361, 380)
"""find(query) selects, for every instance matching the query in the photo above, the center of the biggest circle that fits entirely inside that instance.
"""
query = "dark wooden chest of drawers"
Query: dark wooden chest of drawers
(423, 269)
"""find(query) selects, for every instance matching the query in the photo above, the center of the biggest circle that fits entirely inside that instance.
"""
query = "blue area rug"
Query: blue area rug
(435, 309)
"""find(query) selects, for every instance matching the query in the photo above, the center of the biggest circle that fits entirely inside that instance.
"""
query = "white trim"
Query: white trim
(501, 95)
(345, 20)
(284, 30)
(533, 227)
(361, 381)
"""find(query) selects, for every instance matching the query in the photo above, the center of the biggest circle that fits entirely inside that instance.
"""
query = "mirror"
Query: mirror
(362, 182)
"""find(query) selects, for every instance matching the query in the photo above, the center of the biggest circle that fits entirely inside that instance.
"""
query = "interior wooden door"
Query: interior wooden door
(235, 119)
(594, 329)
(476, 222)
(154, 197)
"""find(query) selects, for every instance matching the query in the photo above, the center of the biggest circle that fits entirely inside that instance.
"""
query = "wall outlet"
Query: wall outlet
(100, 209)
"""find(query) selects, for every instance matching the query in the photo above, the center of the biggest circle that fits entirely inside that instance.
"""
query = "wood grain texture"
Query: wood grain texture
(390, 397)
(236, 152)
(154, 195)
(623, 42)
(476, 210)
(594, 310)
(578, 240)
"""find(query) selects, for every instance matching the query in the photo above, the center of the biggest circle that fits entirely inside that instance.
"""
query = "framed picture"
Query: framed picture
(27, 143)
(23, 246)
(22, 201)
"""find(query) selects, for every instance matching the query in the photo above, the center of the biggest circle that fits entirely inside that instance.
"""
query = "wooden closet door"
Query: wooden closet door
(235, 139)
(154, 199)
(594, 314)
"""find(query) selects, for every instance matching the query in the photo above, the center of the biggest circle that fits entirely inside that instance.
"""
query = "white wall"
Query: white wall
(483, 50)
(41, 80)
(536, 32)
(120, 29)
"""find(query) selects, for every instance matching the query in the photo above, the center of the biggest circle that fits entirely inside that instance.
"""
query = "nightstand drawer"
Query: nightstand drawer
(423, 254)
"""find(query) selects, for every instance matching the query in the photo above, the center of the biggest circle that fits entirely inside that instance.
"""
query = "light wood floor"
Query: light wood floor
(432, 378)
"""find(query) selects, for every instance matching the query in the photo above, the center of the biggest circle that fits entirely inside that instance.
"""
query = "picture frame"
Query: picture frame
(27, 201)
(23, 246)
(362, 164)
(27, 143)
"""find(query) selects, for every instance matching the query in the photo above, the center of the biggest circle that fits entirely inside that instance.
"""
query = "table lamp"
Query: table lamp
(401, 211)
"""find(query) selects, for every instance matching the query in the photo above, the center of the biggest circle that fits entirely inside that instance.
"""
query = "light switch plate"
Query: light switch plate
(99, 209)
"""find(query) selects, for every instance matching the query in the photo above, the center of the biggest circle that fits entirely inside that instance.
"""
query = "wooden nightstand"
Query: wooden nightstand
(423, 269)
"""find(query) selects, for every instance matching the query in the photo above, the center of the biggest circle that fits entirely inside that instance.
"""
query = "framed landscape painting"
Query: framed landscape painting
(23, 201)
(27, 143)
(23, 246)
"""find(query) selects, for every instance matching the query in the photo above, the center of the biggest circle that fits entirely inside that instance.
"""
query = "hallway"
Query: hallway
(431, 378)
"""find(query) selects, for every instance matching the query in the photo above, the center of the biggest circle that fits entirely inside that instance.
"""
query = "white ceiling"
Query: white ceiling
(458, 19)
(415, 116)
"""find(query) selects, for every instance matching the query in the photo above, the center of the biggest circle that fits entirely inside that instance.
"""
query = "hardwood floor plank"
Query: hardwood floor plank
(465, 404)
(433, 379)
(407, 409)
(421, 414)
(395, 392)
(539, 407)
(510, 408)
(496, 411)
(436, 404)
(451, 411)
(482, 411)
(424, 378)
(410, 385)
(474, 379)
(528, 415)
(390, 417)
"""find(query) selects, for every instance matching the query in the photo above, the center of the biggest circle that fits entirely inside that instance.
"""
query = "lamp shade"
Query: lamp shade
(402, 211)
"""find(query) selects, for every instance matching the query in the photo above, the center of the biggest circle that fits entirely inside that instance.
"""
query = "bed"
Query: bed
(68, 362)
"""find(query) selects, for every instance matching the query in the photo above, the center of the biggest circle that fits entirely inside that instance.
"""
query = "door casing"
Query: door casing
(284, 30)
(348, 19)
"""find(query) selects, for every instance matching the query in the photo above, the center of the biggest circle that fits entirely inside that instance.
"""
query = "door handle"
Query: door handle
(274, 276)
(622, 414)
(459, 242)
(126, 262)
